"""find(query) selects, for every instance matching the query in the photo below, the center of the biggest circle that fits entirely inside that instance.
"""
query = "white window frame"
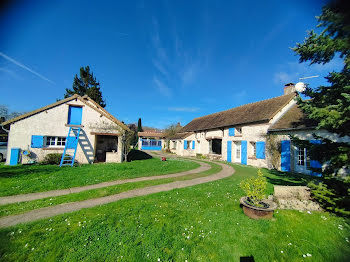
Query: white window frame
(238, 151)
(301, 156)
(55, 141)
(253, 144)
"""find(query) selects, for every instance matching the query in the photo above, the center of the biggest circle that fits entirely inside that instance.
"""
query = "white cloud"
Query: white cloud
(177, 65)
(282, 78)
(157, 64)
(25, 68)
(10, 72)
(161, 87)
(183, 109)
(189, 74)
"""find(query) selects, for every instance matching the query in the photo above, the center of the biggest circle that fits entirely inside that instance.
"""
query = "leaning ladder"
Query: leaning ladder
(70, 149)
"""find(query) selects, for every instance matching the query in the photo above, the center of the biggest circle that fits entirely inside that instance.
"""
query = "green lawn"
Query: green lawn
(199, 223)
(27, 179)
(17, 208)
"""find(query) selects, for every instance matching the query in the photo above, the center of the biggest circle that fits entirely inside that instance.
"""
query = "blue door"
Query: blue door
(244, 152)
(14, 156)
(74, 115)
(285, 155)
(229, 151)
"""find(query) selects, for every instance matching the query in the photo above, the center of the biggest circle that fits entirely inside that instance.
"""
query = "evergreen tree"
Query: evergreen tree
(139, 126)
(330, 105)
(86, 84)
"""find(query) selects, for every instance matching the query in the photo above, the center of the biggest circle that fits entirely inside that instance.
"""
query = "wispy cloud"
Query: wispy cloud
(282, 78)
(174, 64)
(183, 109)
(292, 71)
(161, 87)
(189, 74)
(10, 72)
(25, 67)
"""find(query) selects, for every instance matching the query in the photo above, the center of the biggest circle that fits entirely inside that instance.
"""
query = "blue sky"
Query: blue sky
(163, 61)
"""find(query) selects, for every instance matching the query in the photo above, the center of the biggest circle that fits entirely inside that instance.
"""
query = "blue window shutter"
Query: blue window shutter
(244, 152)
(185, 144)
(75, 114)
(37, 142)
(193, 144)
(315, 163)
(231, 131)
(260, 150)
(285, 155)
(229, 151)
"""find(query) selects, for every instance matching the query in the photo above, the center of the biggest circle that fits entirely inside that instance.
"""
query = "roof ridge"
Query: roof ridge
(62, 101)
(243, 106)
(36, 111)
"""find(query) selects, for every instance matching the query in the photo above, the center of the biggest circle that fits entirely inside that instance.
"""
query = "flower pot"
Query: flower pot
(254, 212)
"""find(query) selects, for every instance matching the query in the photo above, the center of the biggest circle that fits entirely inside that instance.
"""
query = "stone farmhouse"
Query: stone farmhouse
(76, 123)
(245, 135)
(151, 140)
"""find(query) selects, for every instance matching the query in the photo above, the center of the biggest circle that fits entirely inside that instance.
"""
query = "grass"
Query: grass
(36, 178)
(199, 223)
(17, 208)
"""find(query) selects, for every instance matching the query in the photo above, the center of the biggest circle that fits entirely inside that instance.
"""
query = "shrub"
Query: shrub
(137, 155)
(333, 195)
(52, 159)
(255, 188)
(201, 156)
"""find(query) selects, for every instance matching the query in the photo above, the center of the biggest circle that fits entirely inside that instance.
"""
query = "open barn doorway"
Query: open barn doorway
(105, 144)
(216, 145)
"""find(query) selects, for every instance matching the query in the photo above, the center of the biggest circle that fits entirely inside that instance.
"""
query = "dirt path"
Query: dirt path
(75, 206)
(60, 192)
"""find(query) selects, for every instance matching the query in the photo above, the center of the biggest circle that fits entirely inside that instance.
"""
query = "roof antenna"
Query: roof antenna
(300, 86)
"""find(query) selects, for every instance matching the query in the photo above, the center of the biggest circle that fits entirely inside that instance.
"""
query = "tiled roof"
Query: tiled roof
(294, 118)
(255, 112)
(150, 134)
(180, 135)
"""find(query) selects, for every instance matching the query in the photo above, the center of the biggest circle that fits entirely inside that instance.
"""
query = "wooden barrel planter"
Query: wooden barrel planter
(265, 212)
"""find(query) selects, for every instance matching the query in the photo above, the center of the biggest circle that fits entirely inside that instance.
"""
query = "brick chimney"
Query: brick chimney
(289, 88)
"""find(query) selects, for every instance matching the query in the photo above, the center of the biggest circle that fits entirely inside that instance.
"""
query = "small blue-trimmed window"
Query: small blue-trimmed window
(231, 131)
(185, 144)
(260, 150)
(37, 142)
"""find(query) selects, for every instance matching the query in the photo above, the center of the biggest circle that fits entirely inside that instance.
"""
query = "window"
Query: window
(61, 141)
(238, 131)
(301, 156)
(58, 141)
(174, 144)
(188, 144)
(253, 149)
(238, 151)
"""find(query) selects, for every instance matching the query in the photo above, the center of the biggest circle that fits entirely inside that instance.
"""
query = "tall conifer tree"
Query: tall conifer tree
(330, 105)
(86, 84)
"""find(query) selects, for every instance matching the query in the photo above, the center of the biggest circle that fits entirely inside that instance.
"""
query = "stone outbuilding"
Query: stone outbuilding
(45, 130)
(151, 140)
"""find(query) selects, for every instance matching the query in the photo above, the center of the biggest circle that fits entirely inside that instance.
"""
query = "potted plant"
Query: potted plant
(254, 203)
